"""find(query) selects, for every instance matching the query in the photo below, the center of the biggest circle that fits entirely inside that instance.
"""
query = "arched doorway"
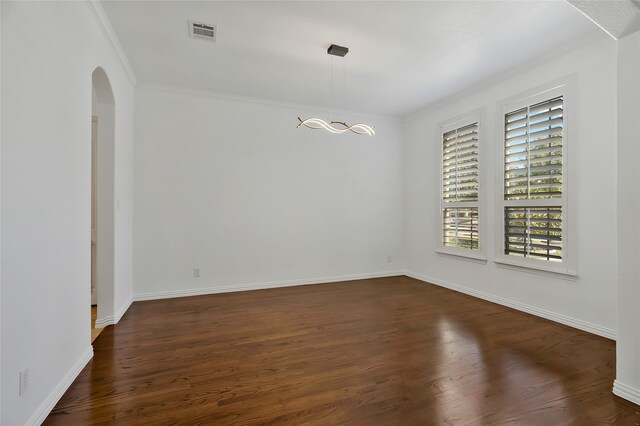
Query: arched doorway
(102, 198)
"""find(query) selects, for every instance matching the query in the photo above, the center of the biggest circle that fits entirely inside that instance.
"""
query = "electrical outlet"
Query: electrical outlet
(196, 272)
(24, 381)
(389, 259)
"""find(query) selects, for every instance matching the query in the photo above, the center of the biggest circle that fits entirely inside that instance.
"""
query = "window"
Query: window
(459, 199)
(533, 186)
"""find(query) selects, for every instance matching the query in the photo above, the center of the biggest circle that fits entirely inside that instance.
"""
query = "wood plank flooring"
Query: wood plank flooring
(382, 351)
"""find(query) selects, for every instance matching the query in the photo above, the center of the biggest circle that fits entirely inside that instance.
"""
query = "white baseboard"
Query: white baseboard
(123, 309)
(114, 319)
(45, 408)
(626, 392)
(103, 322)
(562, 319)
(261, 286)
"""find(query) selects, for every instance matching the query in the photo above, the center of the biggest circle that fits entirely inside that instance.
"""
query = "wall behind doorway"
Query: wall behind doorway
(232, 187)
(46, 263)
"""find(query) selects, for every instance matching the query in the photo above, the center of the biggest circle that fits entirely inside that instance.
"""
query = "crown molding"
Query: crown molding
(617, 19)
(110, 35)
(595, 35)
(264, 101)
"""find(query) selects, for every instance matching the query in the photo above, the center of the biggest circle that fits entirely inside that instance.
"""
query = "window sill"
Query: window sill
(468, 257)
(536, 269)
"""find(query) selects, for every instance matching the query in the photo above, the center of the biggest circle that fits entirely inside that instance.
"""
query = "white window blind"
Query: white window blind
(459, 206)
(533, 180)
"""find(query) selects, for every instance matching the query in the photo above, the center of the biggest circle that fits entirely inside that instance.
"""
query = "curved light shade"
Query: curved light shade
(336, 126)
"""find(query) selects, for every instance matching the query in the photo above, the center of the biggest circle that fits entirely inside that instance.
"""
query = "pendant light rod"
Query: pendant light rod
(335, 126)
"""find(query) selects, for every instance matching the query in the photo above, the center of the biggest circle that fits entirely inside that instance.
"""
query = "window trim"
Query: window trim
(475, 116)
(567, 266)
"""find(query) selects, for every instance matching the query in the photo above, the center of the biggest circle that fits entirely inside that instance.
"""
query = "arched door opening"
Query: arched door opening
(102, 201)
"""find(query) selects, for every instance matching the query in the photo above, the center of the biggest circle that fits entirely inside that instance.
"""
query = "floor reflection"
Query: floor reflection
(371, 352)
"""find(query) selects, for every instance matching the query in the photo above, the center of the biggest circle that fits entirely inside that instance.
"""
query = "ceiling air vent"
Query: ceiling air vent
(203, 31)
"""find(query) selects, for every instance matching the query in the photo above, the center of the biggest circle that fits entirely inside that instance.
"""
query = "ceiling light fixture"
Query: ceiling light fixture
(337, 126)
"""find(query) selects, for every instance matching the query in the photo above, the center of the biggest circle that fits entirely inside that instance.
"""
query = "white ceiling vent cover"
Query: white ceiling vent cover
(203, 31)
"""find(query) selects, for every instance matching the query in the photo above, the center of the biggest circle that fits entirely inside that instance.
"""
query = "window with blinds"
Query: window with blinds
(460, 228)
(533, 180)
(459, 201)
(534, 232)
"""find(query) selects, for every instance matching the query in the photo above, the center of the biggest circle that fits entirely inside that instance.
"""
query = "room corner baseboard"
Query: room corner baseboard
(626, 392)
(562, 319)
(261, 286)
(114, 319)
(45, 408)
(123, 309)
(103, 322)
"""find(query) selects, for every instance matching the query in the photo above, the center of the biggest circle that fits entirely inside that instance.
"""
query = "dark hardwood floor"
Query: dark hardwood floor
(369, 352)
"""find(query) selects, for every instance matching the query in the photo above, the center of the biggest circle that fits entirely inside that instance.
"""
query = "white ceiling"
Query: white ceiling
(403, 56)
(618, 18)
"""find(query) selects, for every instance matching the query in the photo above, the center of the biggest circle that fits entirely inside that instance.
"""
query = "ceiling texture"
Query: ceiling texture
(403, 56)
(616, 17)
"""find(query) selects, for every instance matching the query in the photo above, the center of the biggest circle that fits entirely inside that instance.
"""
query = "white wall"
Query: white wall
(234, 188)
(45, 196)
(0, 209)
(628, 346)
(589, 301)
